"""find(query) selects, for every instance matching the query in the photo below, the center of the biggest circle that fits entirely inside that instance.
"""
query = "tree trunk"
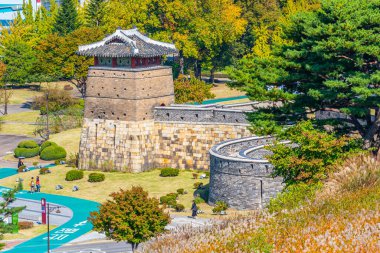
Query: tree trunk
(181, 65)
(372, 131)
(134, 246)
(5, 101)
(212, 75)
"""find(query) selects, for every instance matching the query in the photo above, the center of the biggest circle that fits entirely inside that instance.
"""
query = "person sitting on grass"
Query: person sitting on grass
(20, 163)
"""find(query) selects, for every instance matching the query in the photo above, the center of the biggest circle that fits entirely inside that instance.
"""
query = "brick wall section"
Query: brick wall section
(186, 145)
(144, 145)
(127, 94)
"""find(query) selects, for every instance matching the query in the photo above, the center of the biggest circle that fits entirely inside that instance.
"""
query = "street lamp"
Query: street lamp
(50, 209)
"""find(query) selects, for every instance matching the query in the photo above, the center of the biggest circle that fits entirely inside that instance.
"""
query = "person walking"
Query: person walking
(194, 210)
(32, 185)
(38, 186)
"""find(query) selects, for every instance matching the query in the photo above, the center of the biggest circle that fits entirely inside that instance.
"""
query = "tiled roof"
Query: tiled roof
(127, 43)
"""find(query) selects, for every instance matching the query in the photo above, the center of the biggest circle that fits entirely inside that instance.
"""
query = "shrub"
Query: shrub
(181, 191)
(25, 224)
(43, 171)
(28, 144)
(198, 185)
(316, 152)
(72, 175)
(20, 185)
(207, 173)
(169, 199)
(21, 168)
(47, 144)
(293, 196)
(169, 172)
(73, 160)
(27, 152)
(179, 207)
(199, 200)
(220, 206)
(96, 177)
(195, 175)
(53, 153)
(35, 164)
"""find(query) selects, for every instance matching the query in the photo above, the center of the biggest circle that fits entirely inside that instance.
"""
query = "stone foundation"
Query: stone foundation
(144, 145)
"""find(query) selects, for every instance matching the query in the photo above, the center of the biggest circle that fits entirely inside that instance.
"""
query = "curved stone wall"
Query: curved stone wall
(240, 175)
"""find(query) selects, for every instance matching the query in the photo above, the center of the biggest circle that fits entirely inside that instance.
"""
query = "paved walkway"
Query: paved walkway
(25, 107)
(9, 142)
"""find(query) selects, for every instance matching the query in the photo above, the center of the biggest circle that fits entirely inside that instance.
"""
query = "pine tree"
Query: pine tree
(94, 12)
(67, 18)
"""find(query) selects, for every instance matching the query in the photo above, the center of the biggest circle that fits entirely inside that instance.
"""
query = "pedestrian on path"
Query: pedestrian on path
(32, 185)
(194, 210)
(38, 186)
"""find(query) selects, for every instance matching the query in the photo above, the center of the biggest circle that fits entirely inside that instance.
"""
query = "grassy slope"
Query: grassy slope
(151, 181)
(339, 221)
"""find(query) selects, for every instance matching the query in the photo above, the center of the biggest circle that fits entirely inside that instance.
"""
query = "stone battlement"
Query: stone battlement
(240, 175)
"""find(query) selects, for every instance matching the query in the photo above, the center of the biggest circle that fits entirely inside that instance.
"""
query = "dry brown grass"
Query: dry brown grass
(223, 91)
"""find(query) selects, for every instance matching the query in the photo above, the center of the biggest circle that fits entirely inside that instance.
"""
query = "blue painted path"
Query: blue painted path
(75, 227)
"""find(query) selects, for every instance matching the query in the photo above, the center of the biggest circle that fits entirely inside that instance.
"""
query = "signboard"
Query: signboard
(43, 210)
(15, 222)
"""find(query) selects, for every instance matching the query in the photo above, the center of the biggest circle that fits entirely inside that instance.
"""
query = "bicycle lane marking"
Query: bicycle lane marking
(75, 227)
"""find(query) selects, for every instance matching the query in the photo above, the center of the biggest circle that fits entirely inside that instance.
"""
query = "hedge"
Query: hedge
(169, 172)
(48, 144)
(25, 224)
(96, 177)
(72, 175)
(27, 152)
(179, 207)
(169, 199)
(53, 152)
(28, 144)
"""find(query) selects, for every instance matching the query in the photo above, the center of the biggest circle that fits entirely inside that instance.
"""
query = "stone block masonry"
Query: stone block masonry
(141, 146)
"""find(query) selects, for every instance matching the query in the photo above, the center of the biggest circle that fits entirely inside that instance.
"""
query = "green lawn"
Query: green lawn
(151, 181)
(21, 117)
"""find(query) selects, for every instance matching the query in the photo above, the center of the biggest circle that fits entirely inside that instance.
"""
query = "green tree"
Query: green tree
(6, 211)
(312, 155)
(191, 90)
(130, 216)
(67, 18)
(95, 12)
(19, 59)
(329, 63)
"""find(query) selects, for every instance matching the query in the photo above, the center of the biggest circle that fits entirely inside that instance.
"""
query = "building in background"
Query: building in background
(10, 8)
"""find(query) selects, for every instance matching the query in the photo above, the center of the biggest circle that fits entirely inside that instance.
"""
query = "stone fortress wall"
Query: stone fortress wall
(178, 136)
(240, 175)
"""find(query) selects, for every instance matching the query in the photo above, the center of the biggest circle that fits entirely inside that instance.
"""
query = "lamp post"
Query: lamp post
(49, 209)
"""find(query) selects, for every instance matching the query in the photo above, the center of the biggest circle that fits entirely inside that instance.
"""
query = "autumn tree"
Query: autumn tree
(191, 90)
(57, 58)
(312, 154)
(130, 216)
